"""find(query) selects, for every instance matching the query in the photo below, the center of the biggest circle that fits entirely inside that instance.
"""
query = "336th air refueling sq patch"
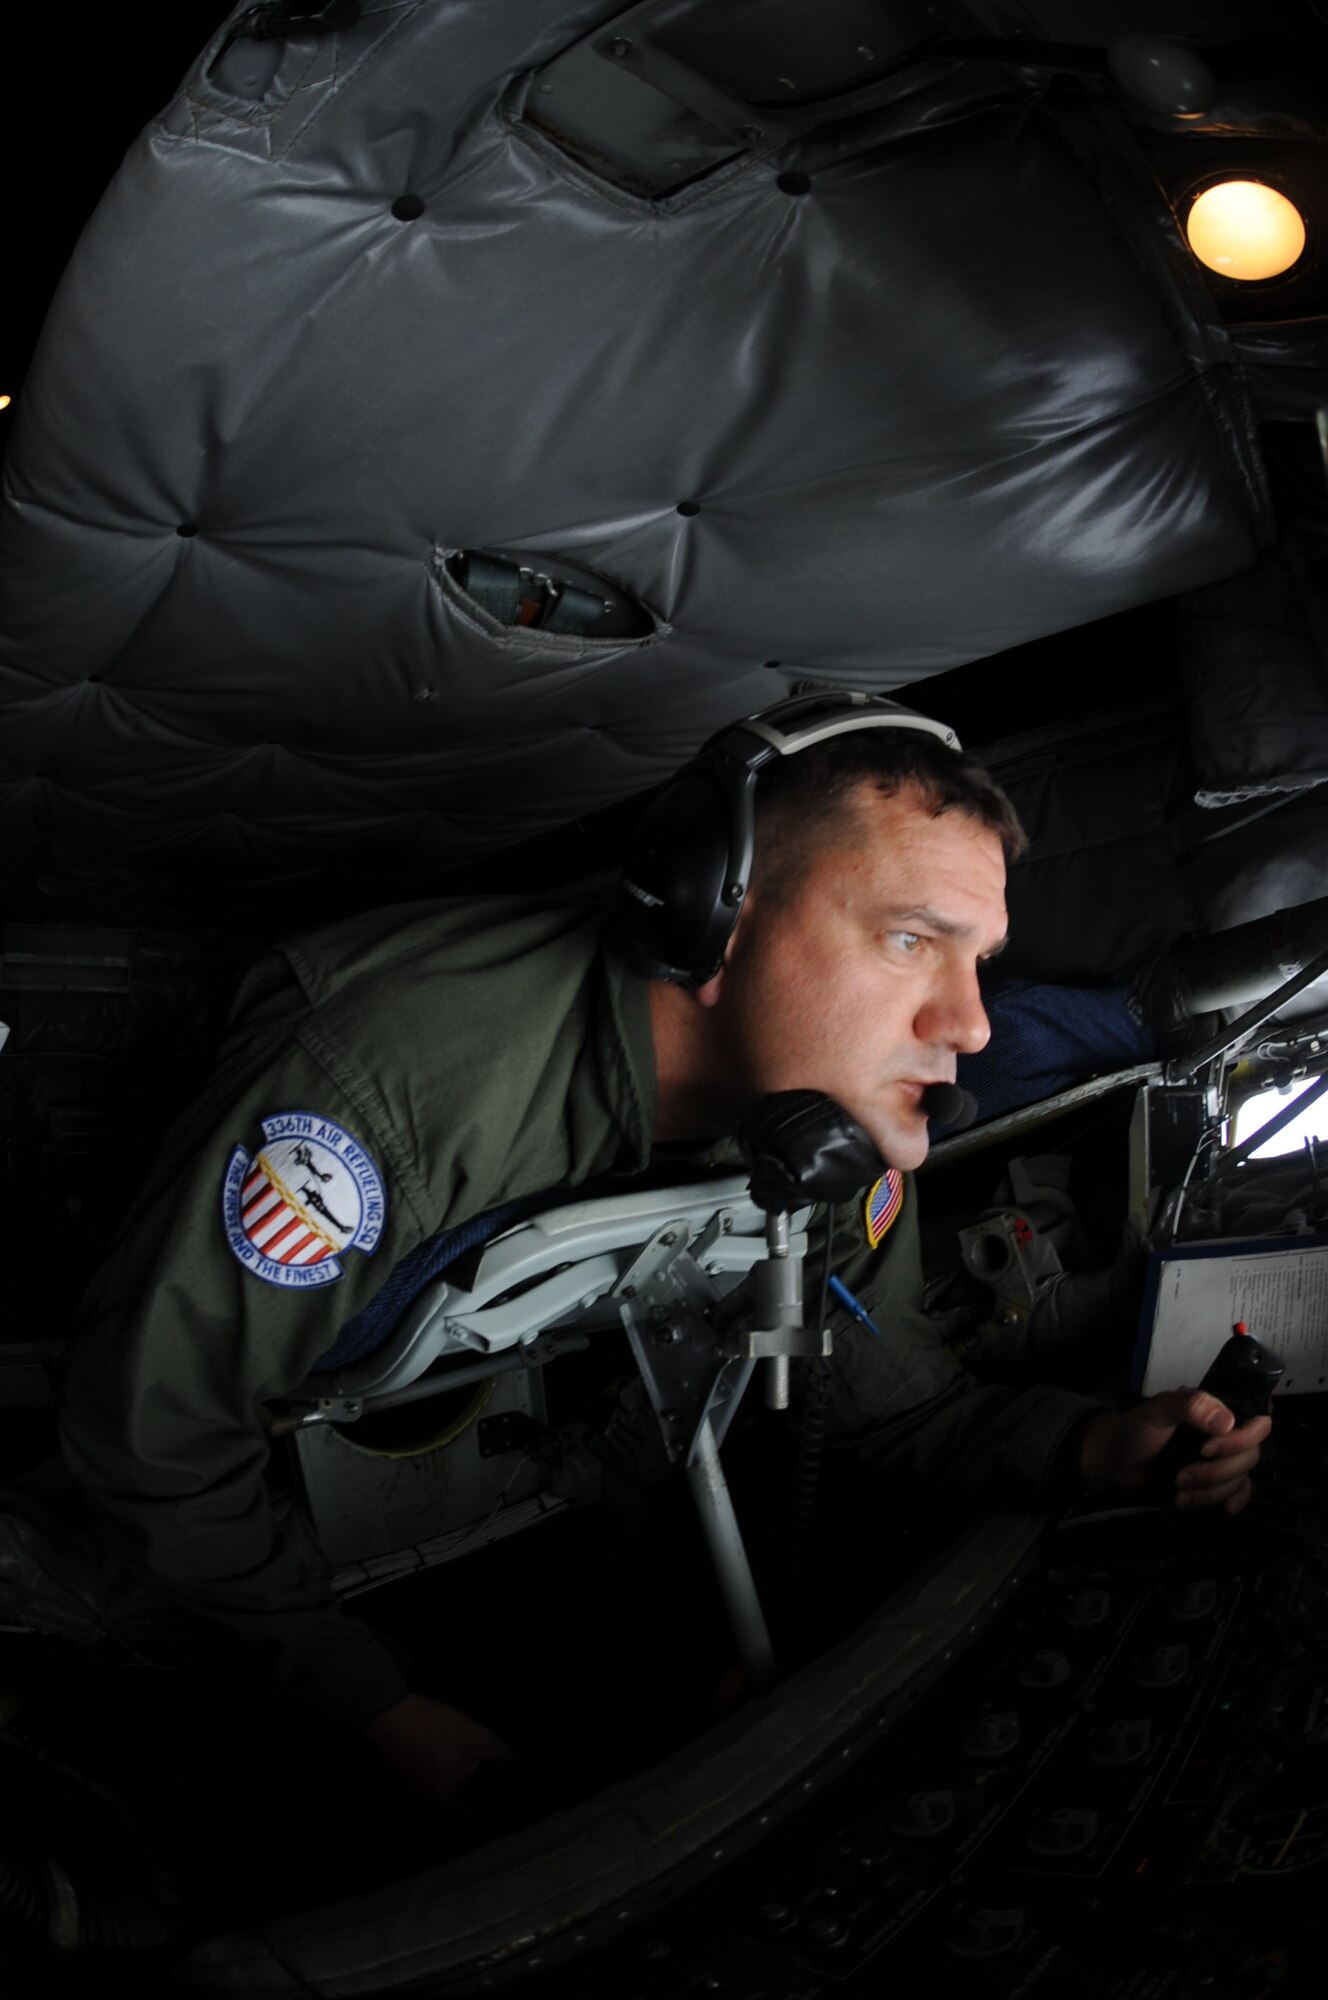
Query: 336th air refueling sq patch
(884, 1202)
(309, 1193)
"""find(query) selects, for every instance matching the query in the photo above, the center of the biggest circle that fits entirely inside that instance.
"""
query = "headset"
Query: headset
(690, 860)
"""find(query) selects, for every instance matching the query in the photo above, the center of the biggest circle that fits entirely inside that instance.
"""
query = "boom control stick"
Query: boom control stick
(1243, 1375)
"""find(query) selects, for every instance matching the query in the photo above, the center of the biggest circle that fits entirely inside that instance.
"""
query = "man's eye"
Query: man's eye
(909, 943)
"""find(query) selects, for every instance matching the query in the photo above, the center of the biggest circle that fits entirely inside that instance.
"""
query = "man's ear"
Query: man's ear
(708, 994)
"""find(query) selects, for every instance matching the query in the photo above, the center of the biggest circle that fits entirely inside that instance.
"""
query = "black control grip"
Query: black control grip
(1243, 1376)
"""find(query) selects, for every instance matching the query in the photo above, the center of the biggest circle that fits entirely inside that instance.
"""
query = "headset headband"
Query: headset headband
(690, 862)
(869, 711)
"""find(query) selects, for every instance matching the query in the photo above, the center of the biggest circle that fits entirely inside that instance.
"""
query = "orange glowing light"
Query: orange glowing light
(1245, 230)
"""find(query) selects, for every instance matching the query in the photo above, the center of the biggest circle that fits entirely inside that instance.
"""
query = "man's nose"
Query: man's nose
(955, 1015)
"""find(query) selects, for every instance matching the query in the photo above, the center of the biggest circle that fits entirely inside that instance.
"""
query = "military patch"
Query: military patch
(884, 1202)
(309, 1194)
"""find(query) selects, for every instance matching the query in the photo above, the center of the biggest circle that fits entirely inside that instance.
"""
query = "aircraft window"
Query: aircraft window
(1265, 1104)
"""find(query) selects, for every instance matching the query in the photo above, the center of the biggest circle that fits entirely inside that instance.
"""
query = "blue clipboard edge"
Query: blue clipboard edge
(1183, 1253)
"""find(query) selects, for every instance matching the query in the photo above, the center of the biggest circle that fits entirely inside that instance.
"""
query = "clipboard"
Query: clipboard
(1196, 1291)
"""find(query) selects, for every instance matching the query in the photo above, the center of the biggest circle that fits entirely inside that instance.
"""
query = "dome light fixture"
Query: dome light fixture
(1245, 230)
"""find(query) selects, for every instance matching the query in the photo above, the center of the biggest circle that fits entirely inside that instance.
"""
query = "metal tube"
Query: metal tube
(1185, 1064)
(436, 1385)
(719, 1525)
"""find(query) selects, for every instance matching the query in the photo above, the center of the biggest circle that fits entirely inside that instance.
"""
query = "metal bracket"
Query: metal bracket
(653, 1263)
(511, 1430)
(692, 1375)
(719, 1225)
(1005, 1252)
(334, 1410)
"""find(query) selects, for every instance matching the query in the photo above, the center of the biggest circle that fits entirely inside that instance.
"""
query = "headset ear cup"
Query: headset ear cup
(690, 863)
(676, 906)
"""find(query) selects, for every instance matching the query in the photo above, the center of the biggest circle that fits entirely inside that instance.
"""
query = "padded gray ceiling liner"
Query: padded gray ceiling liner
(960, 390)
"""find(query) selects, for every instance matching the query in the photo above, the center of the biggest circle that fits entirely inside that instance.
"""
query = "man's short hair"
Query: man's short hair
(803, 801)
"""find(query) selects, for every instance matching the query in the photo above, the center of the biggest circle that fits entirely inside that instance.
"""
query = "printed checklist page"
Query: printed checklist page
(1279, 1288)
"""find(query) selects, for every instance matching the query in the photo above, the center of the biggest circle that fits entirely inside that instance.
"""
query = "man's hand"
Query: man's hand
(433, 1750)
(1119, 1451)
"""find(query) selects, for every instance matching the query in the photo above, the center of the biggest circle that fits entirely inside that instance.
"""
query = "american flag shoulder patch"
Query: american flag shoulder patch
(884, 1201)
(309, 1193)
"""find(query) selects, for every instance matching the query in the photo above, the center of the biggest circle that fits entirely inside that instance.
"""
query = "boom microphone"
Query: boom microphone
(949, 1105)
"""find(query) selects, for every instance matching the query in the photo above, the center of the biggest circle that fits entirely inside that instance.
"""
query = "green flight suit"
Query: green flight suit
(474, 1054)
(475, 1051)
(913, 1417)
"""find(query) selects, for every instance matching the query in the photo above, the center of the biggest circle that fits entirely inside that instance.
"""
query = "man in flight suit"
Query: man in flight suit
(406, 1070)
